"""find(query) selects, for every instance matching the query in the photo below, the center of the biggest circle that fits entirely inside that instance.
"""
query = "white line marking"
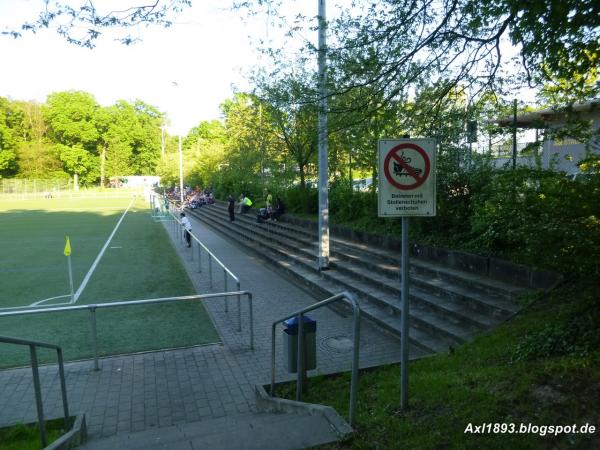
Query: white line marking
(48, 299)
(38, 303)
(93, 268)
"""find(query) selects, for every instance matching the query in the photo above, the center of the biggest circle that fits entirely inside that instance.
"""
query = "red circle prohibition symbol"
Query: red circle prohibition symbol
(411, 172)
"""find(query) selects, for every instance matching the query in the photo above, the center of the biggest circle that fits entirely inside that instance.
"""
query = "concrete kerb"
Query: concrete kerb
(76, 436)
(266, 403)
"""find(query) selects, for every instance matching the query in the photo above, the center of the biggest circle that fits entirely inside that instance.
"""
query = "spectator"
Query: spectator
(187, 226)
(246, 204)
(231, 208)
(279, 209)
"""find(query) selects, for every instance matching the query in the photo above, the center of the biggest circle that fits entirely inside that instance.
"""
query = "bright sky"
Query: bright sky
(186, 70)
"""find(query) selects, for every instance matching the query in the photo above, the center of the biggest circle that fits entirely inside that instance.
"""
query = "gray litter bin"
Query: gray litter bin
(290, 343)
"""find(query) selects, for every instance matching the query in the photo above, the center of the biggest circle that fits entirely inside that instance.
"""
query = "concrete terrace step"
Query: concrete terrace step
(303, 269)
(383, 260)
(478, 308)
(448, 306)
(244, 431)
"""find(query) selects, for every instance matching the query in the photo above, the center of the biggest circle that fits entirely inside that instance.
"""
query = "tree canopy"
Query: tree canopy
(82, 25)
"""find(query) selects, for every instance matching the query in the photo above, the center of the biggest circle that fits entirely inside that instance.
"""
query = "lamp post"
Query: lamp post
(180, 172)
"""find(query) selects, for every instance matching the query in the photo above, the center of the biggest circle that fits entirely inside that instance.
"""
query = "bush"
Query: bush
(301, 200)
(540, 217)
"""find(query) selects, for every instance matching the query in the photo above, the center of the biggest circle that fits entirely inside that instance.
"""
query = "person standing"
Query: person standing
(187, 226)
(269, 200)
(231, 207)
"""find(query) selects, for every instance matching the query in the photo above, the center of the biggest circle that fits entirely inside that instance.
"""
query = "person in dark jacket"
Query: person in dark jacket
(279, 209)
(231, 208)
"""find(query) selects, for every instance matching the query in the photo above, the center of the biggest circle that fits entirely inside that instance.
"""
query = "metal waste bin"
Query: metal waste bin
(290, 343)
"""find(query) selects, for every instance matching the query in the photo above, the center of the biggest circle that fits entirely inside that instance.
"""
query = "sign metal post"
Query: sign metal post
(406, 188)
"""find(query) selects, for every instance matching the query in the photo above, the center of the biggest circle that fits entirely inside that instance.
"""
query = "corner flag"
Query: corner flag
(67, 247)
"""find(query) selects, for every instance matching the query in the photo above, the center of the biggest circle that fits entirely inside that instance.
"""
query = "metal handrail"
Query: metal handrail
(346, 296)
(92, 308)
(36, 380)
(211, 257)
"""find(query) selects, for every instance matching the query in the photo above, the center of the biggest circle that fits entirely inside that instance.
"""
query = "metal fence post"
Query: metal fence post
(252, 322)
(210, 270)
(63, 387)
(300, 359)
(273, 360)
(225, 286)
(38, 395)
(94, 336)
(239, 307)
(199, 258)
(355, 365)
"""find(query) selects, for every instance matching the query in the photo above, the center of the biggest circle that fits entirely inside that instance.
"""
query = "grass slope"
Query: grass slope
(542, 367)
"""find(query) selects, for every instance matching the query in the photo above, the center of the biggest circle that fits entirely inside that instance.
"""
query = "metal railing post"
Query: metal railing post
(94, 337)
(300, 358)
(273, 360)
(199, 258)
(63, 387)
(239, 307)
(355, 367)
(251, 320)
(38, 395)
(210, 271)
(225, 285)
(301, 361)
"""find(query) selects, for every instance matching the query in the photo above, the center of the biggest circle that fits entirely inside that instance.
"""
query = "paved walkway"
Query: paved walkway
(160, 389)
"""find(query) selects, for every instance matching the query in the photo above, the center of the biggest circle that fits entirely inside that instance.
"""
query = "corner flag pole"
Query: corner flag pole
(67, 253)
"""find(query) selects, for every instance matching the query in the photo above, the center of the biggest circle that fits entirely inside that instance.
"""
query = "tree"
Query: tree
(294, 117)
(8, 138)
(84, 24)
(384, 49)
(35, 154)
(71, 118)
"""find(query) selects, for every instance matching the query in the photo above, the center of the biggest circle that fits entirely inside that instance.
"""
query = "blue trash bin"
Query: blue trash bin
(290, 343)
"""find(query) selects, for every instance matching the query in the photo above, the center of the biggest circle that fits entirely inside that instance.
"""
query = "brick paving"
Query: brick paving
(162, 389)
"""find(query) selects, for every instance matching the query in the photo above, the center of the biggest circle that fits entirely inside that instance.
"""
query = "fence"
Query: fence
(36, 380)
(197, 248)
(92, 310)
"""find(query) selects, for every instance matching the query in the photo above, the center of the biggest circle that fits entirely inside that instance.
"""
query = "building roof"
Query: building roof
(544, 117)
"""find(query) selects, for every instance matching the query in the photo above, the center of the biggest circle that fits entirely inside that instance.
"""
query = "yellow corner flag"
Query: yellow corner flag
(68, 247)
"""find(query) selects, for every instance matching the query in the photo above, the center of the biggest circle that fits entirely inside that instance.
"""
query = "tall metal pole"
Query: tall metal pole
(180, 172)
(323, 259)
(514, 136)
(404, 318)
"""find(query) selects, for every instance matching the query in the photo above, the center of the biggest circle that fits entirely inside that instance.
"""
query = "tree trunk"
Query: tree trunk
(75, 182)
(302, 176)
(102, 164)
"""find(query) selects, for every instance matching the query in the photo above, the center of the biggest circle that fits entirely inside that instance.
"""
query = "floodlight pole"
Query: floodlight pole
(323, 259)
(180, 172)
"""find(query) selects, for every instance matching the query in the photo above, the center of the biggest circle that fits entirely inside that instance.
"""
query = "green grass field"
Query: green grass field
(138, 263)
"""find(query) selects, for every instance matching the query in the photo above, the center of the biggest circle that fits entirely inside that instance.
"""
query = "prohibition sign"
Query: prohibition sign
(410, 170)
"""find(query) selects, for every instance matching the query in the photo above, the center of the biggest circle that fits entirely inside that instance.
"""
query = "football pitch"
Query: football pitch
(118, 253)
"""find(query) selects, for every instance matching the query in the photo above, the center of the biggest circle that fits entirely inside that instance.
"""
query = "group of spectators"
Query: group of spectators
(244, 203)
(192, 198)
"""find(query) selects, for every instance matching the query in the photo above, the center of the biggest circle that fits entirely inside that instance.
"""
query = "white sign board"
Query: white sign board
(406, 177)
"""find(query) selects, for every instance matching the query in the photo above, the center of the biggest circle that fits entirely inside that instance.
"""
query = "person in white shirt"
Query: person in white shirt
(187, 226)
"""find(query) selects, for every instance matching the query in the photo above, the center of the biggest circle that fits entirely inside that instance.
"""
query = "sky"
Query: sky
(186, 70)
